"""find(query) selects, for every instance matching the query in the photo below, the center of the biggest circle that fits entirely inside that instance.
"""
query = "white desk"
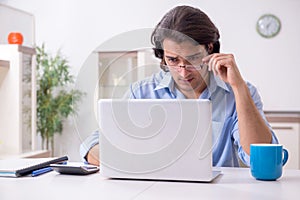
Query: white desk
(234, 183)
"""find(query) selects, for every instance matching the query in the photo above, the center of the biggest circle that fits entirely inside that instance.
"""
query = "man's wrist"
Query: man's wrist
(240, 89)
(93, 155)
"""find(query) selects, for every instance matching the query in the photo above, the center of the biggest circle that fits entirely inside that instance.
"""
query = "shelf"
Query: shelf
(19, 48)
(31, 154)
(4, 63)
(26, 50)
(4, 66)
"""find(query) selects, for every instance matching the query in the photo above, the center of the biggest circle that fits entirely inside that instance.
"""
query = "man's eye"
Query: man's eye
(172, 60)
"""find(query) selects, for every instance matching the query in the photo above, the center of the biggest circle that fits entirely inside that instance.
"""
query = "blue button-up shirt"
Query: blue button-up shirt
(227, 150)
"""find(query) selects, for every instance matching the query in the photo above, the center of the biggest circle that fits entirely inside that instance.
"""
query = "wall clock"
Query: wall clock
(268, 25)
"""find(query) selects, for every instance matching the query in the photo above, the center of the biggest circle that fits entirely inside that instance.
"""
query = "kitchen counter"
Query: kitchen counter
(283, 116)
(286, 126)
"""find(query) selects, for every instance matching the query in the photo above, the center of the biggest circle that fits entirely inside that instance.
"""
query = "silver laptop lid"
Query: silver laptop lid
(156, 139)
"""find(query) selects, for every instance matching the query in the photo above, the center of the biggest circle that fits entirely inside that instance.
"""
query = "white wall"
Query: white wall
(15, 20)
(78, 27)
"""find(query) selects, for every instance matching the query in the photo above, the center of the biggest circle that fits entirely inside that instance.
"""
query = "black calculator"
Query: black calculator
(75, 169)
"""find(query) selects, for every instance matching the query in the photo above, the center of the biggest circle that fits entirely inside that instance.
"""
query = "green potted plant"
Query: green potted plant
(56, 101)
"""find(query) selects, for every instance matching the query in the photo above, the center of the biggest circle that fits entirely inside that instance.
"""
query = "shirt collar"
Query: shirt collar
(214, 82)
(166, 82)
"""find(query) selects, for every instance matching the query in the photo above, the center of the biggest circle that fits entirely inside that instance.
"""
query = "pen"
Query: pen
(41, 171)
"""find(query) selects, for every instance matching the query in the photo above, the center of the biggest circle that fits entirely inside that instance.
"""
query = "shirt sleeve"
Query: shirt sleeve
(87, 144)
(244, 157)
(93, 139)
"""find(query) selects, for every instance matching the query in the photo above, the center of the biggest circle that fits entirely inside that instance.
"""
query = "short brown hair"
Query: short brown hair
(184, 22)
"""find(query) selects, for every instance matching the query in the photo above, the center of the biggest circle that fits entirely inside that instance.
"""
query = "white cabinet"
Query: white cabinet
(118, 69)
(17, 101)
(288, 134)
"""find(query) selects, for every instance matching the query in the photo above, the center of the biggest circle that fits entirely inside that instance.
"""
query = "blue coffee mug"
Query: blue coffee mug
(267, 160)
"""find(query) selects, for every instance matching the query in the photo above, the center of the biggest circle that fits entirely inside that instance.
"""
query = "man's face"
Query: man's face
(179, 55)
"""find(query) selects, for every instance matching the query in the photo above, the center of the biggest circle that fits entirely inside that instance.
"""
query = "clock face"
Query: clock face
(268, 25)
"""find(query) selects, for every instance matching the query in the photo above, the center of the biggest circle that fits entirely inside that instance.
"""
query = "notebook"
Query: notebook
(161, 139)
(23, 167)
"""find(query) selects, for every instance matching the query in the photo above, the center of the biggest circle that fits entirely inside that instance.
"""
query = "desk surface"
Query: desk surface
(234, 183)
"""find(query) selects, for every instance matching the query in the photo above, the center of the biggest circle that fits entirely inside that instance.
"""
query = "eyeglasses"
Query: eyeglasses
(194, 63)
(186, 67)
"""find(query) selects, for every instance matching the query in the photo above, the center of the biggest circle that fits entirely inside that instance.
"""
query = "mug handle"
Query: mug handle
(285, 156)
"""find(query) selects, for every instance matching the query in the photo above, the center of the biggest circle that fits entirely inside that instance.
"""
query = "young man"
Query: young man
(187, 42)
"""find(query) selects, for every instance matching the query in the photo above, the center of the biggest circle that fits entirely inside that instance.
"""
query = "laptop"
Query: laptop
(160, 139)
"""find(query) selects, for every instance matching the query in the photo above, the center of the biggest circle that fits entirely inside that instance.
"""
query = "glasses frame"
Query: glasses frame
(178, 68)
(188, 67)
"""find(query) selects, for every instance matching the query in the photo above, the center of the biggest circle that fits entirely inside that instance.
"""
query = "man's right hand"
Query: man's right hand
(93, 155)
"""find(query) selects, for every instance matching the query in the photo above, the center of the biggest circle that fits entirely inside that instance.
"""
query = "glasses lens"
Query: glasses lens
(190, 68)
(186, 67)
(193, 66)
